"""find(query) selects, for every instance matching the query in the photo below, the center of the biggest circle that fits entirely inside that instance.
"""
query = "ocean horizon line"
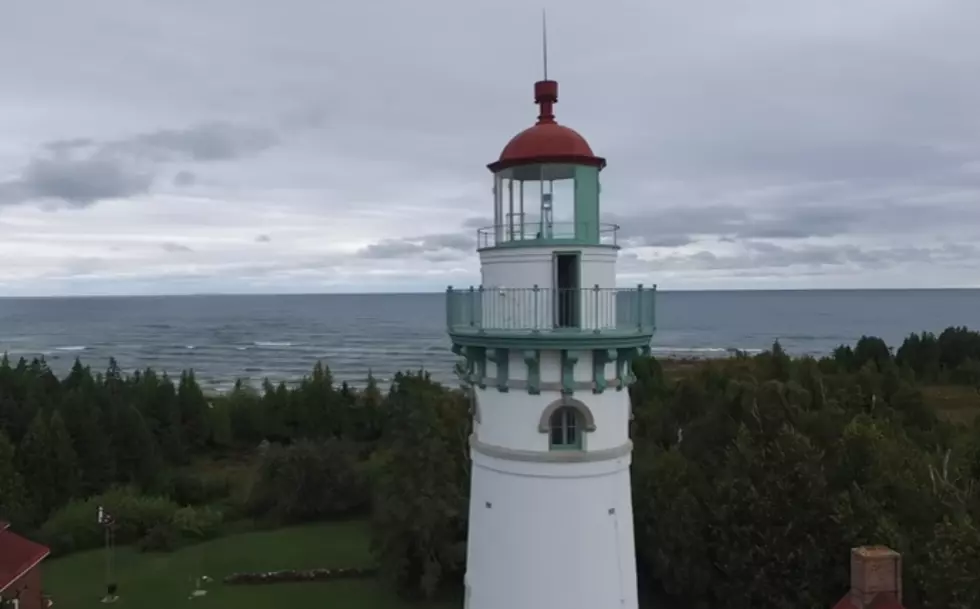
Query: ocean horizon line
(436, 292)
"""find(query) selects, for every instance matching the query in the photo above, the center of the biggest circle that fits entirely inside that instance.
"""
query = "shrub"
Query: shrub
(197, 523)
(162, 537)
(192, 489)
(76, 527)
(307, 481)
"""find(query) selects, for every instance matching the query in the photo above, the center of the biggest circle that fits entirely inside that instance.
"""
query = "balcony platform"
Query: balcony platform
(547, 318)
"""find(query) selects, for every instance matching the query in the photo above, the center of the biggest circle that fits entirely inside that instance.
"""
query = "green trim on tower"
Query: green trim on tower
(624, 365)
(559, 339)
(549, 243)
(601, 357)
(587, 204)
(501, 358)
(532, 357)
(568, 361)
(476, 356)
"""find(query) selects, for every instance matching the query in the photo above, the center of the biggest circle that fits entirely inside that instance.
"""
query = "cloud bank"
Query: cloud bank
(229, 146)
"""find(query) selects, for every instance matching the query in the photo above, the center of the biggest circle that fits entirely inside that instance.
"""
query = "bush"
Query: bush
(75, 526)
(162, 537)
(197, 523)
(308, 481)
(192, 489)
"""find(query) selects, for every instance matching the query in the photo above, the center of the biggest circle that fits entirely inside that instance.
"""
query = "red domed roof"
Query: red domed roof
(546, 141)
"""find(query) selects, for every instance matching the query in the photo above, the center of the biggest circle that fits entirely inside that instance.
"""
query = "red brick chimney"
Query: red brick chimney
(876, 579)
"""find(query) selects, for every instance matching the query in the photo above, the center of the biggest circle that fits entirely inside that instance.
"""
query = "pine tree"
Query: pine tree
(48, 463)
(64, 460)
(13, 493)
(136, 455)
(193, 407)
(219, 423)
(32, 462)
(83, 418)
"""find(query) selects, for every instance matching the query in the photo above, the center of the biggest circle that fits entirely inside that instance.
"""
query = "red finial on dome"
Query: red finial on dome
(546, 95)
(546, 141)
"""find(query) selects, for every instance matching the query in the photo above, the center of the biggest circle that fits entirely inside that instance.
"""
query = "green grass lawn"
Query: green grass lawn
(165, 580)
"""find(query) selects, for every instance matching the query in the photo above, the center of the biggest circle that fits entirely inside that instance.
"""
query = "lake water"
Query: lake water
(228, 337)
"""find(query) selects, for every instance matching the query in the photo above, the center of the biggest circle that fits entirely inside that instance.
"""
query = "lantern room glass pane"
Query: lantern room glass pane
(547, 201)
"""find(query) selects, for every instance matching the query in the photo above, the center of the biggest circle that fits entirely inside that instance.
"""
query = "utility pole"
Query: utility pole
(109, 526)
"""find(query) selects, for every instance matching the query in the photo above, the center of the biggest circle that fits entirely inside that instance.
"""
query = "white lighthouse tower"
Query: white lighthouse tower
(547, 341)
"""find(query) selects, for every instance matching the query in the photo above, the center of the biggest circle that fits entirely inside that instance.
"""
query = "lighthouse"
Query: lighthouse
(545, 345)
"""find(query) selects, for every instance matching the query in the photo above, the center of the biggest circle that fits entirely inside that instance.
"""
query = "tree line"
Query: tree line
(752, 476)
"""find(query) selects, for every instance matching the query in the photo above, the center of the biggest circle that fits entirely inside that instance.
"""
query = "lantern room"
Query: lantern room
(546, 185)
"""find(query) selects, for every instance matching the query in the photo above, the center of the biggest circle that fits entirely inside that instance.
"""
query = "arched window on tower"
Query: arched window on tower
(566, 429)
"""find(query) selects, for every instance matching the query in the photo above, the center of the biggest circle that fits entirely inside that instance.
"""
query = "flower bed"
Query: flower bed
(308, 575)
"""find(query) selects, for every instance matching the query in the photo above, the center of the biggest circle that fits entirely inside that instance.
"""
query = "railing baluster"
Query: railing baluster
(595, 306)
(537, 314)
(450, 321)
(639, 307)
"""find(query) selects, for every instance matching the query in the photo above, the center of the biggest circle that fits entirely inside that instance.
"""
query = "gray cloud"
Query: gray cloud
(758, 257)
(436, 247)
(81, 171)
(211, 141)
(185, 178)
(175, 248)
(263, 239)
(75, 181)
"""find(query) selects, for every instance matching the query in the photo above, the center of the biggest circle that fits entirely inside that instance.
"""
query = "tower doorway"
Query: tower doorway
(567, 269)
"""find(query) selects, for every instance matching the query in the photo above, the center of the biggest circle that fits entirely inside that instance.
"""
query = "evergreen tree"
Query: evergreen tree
(85, 423)
(48, 463)
(13, 493)
(64, 460)
(136, 455)
(158, 402)
(219, 423)
(193, 408)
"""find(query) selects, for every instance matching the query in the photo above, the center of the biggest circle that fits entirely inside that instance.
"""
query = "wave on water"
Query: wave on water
(272, 343)
(72, 348)
(703, 351)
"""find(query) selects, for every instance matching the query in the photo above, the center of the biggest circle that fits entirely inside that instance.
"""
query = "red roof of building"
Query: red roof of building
(883, 600)
(546, 141)
(17, 556)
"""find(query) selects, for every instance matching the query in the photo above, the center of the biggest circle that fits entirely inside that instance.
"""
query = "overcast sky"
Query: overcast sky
(173, 146)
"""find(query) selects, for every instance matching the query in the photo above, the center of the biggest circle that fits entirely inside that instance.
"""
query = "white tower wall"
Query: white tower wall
(548, 535)
(516, 424)
(527, 267)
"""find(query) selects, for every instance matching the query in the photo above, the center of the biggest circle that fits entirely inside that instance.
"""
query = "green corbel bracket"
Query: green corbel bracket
(532, 358)
(601, 357)
(500, 357)
(568, 361)
(624, 369)
(477, 362)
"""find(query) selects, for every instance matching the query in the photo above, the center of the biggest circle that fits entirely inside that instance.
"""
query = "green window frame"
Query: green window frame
(566, 429)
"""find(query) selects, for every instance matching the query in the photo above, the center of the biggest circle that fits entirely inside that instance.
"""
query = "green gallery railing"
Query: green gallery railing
(522, 310)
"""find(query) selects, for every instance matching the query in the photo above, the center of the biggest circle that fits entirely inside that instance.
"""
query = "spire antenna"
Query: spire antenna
(544, 40)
